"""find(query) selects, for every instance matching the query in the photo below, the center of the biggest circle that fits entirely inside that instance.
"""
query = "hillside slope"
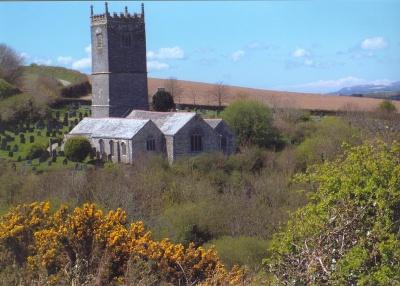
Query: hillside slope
(201, 94)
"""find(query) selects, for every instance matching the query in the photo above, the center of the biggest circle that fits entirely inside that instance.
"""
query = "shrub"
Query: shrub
(252, 123)
(163, 101)
(349, 233)
(7, 89)
(242, 250)
(77, 148)
(36, 150)
(387, 106)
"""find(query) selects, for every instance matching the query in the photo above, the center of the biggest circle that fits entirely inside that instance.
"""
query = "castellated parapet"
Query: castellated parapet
(119, 72)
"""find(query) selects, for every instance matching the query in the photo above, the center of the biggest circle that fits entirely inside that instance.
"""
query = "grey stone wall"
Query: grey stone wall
(182, 144)
(224, 130)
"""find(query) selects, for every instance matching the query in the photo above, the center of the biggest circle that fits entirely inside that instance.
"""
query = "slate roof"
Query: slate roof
(168, 122)
(119, 128)
(213, 122)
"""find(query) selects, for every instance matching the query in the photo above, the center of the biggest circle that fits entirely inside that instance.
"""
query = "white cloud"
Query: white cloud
(156, 65)
(45, 62)
(375, 43)
(82, 63)
(64, 60)
(175, 53)
(24, 55)
(300, 53)
(88, 49)
(236, 56)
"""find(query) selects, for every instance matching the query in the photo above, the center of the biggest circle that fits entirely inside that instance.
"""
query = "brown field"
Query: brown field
(198, 93)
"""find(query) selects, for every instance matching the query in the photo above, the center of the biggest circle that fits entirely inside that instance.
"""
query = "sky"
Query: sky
(299, 45)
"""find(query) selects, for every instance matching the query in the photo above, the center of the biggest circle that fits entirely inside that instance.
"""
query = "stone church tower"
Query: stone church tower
(119, 72)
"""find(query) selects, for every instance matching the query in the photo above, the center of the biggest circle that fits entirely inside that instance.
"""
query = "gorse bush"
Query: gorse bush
(349, 233)
(86, 247)
(77, 148)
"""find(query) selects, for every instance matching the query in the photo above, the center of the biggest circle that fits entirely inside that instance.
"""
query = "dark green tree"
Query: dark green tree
(163, 101)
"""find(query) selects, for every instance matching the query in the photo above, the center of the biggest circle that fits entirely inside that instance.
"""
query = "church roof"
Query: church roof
(119, 128)
(168, 122)
(214, 122)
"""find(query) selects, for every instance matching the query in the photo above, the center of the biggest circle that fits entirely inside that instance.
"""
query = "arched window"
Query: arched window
(151, 144)
(111, 148)
(196, 144)
(99, 38)
(101, 143)
(123, 148)
(223, 143)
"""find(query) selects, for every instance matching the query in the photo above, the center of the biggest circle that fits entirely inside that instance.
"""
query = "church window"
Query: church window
(196, 143)
(126, 40)
(223, 143)
(112, 148)
(151, 144)
(123, 148)
(101, 143)
(99, 40)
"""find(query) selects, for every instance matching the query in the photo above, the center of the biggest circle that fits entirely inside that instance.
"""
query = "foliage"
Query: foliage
(7, 89)
(252, 123)
(36, 150)
(387, 106)
(241, 250)
(86, 246)
(77, 148)
(20, 107)
(77, 90)
(10, 64)
(163, 101)
(348, 233)
(326, 141)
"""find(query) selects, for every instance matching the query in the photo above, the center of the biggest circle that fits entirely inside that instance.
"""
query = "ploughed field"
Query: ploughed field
(197, 93)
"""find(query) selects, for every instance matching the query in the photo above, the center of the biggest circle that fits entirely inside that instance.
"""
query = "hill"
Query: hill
(382, 91)
(197, 93)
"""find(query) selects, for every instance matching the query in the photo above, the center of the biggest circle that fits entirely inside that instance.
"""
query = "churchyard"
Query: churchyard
(27, 144)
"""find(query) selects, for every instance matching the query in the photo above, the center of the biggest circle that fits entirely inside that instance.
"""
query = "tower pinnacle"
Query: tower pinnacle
(106, 4)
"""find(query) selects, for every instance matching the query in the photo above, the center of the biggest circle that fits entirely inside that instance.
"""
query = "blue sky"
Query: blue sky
(313, 46)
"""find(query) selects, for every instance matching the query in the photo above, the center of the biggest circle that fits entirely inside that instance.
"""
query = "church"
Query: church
(121, 127)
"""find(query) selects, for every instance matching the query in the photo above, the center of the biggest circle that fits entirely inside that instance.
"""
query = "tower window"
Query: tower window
(151, 144)
(99, 40)
(126, 40)
(196, 143)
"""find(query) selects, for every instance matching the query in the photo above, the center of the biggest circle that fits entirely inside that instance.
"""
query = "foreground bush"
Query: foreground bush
(349, 233)
(86, 247)
(77, 148)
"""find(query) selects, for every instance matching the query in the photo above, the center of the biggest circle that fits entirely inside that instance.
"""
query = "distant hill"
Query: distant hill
(389, 91)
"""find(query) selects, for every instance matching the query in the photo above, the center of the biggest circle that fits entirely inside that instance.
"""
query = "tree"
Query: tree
(163, 101)
(172, 86)
(387, 106)
(252, 123)
(10, 63)
(348, 234)
(36, 150)
(219, 91)
(77, 148)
